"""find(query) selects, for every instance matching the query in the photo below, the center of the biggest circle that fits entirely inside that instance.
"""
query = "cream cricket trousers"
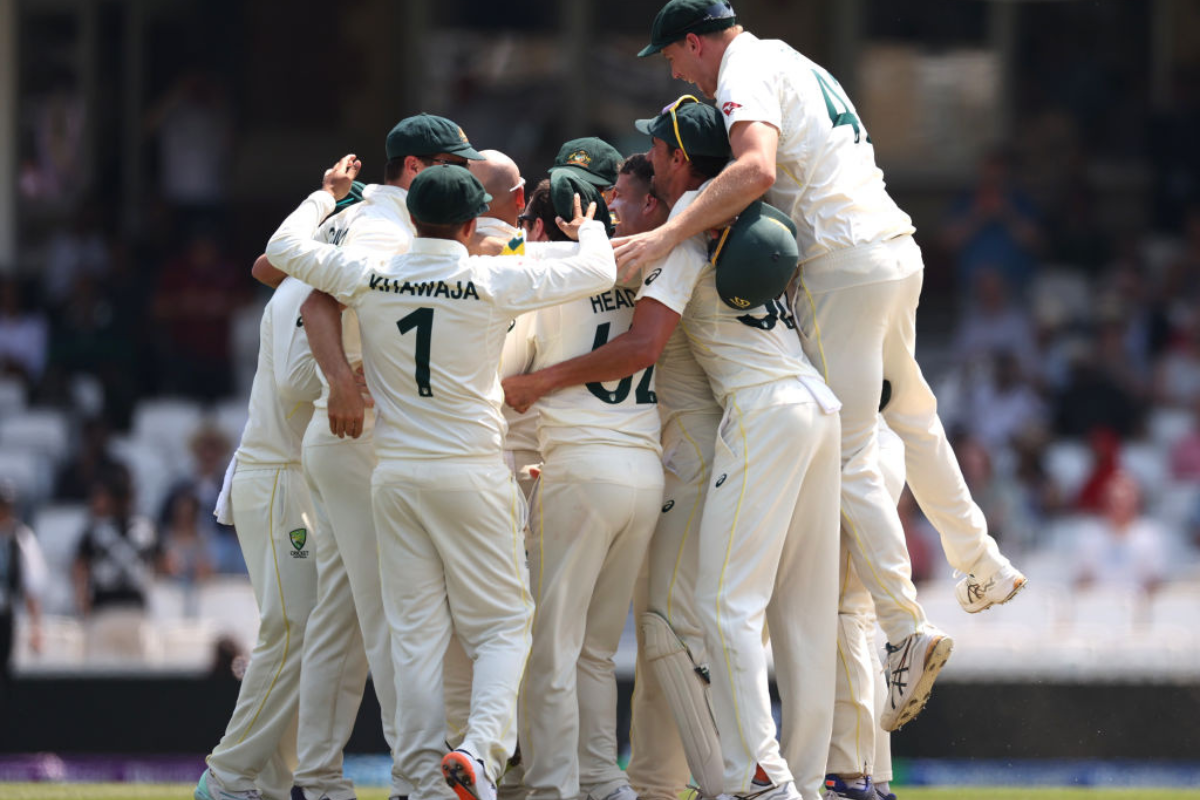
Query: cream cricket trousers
(859, 744)
(768, 555)
(859, 336)
(274, 519)
(451, 553)
(347, 631)
(591, 516)
(657, 768)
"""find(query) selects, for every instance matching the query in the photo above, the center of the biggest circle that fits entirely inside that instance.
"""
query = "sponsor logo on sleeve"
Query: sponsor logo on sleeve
(729, 107)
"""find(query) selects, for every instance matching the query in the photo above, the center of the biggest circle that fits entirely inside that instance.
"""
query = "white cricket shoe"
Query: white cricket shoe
(786, 791)
(976, 595)
(464, 773)
(209, 787)
(622, 792)
(912, 666)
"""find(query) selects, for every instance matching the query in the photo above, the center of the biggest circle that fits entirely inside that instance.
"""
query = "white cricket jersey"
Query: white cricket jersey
(621, 413)
(433, 323)
(513, 237)
(680, 381)
(522, 428)
(285, 384)
(736, 349)
(826, 179)
(379, 224)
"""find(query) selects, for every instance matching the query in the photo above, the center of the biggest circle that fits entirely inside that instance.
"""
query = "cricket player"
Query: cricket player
(796, 137)
(265, 497)
(349, 612)
(768, 531)
(448, 514)
(594, 507)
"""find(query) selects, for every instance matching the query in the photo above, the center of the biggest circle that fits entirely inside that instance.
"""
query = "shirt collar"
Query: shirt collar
(438, 247)
(743, 39)
(495, 226)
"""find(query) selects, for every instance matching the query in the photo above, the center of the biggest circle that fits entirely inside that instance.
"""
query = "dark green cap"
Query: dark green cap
(701, 131)
(355, 197)
(565, 184)
(425, 135)
(446, 194)
(594, 160)
(755, 257)
(678, 18)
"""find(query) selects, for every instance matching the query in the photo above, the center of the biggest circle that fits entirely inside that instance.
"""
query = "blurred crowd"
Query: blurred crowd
(1069, 378)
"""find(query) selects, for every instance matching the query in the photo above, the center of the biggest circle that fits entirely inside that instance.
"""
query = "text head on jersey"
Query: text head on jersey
(594, 160)
(427, 134)
(446, 195)
(678, 18)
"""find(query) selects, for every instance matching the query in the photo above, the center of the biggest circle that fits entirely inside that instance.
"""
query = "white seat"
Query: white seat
(151, 471)
(1147, 463)
(44, 430)
(186, 644)
(12, 396)
(1168, 425)
(230, 416)
(1178, 504)
(30, 472)
(1062, 289)
(168, 424)
(229, 604)
(1175, 606)
(1068, 464)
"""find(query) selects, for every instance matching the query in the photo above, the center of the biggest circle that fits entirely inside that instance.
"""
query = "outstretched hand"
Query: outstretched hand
(340, 177)
(572, 228)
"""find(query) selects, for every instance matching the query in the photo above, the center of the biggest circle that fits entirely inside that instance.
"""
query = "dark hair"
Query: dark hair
(428, 230)
(702, 166)
(541, 206)
(638, 166)
(393, 169)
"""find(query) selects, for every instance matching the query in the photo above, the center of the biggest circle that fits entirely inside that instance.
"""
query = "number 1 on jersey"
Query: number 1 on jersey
(422, 320)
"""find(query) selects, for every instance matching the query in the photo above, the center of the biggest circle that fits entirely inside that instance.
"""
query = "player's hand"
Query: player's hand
(360, 379)
(346, 408)
(635, 252)
(340, 177)
(522, 391)
(572, 228)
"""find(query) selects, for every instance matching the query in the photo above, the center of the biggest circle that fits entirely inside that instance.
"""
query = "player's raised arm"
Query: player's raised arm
(322, 266)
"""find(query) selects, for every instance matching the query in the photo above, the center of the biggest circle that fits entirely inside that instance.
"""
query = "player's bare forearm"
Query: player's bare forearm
(323, 325)
(265, 273)
(634, 350)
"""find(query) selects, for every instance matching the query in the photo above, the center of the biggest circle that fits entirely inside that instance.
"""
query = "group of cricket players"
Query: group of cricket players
(490, 415)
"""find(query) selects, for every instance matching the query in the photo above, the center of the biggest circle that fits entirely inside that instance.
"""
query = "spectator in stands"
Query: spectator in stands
(998, 498)
(1177, 378)
(1181, 284)
(186, 552)
(74, 251)
(1106, 466)
(90, 462)
(994, 225)
(197, 295)
(1185, 454)
(22, 576)
(1121, 548)
(1004, 405)
(1078, 238)
(210, 457)
(992, 322)
(1093, 399)
(1040, 497)
(919, 535)
(117, 558)
(24, 334)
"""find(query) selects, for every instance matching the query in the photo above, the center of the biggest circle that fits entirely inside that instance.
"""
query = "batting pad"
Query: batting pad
(686, 690)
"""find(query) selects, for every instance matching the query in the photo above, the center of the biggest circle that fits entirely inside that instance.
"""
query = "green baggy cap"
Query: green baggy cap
(755, 257)
(687, 123)
(565, 184)
(446, 194)
(427, 134)
(678, 18)
(594, 160)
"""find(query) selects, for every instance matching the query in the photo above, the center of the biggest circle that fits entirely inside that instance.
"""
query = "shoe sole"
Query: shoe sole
(1018, 585)
(459, 773)
(935, 658)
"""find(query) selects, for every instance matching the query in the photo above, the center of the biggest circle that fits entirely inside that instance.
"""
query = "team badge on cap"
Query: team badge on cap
(580, 158)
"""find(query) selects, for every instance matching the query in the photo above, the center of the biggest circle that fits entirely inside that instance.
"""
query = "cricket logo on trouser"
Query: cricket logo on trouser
(299, 538)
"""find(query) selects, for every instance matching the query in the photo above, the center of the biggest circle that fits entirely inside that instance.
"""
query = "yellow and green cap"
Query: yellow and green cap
(593, 159)
(678, 18)
(426, 135)
(446, 194)
(755, 257)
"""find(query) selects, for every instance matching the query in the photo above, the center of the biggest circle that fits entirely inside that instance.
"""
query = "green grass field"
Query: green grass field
(179, 791)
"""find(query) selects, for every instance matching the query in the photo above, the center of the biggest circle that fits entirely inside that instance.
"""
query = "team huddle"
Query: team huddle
(485, 423)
